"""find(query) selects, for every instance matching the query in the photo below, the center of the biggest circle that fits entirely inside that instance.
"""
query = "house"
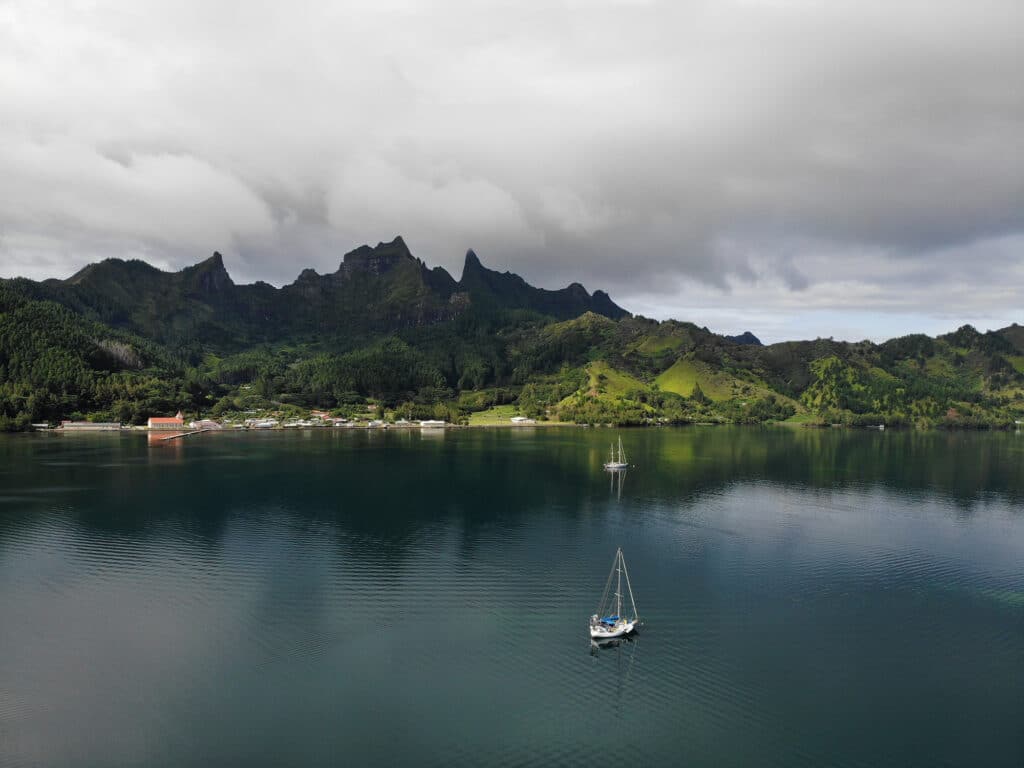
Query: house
(159, 422)
(522, 420)
(205, 424)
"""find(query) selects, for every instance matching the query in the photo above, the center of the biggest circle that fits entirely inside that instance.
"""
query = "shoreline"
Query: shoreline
(168, 435)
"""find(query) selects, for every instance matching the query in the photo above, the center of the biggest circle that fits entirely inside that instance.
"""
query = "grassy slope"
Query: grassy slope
(685, 374)
(494, 416)
(800, 418)
(719, 386)
(605, 383)
(606, 380)
(652, 346)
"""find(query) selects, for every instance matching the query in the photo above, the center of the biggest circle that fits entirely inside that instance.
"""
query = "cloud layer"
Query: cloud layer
(849, 168)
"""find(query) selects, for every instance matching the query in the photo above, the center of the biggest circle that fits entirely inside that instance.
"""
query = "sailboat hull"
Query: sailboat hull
(607, 633)
(615, 465)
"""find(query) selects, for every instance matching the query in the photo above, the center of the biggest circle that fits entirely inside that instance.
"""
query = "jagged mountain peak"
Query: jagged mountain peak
(472, 267)
(1014, 334)
(377, 259)
(577, 289)
(216, 261)
(509, 290)
(108, 268)
(209, 275)
(746, 338)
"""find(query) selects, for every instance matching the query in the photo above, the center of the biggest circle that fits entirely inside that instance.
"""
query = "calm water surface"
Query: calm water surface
(326, 598)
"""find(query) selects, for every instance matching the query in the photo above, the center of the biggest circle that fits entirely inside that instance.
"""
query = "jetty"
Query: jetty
(179, 435)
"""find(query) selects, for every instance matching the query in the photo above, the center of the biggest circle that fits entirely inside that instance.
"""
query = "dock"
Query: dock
(178, 435)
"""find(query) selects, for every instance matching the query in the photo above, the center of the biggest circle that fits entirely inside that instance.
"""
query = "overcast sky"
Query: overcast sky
(794, 167)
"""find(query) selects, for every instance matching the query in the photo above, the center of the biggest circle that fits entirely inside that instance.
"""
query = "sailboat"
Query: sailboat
(616, 462)
(609, 620)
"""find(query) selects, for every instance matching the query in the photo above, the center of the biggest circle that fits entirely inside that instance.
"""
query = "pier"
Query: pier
(178, 435)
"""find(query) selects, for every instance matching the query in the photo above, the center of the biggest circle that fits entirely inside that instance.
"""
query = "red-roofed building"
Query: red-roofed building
(159, 422)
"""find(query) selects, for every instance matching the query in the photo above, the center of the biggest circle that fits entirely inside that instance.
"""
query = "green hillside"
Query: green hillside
(385, 334)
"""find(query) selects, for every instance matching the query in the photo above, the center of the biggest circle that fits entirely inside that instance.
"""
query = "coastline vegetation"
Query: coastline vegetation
(87, 352)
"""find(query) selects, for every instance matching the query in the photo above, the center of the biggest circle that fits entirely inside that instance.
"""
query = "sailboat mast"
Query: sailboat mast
(629, 586)
(618, 583)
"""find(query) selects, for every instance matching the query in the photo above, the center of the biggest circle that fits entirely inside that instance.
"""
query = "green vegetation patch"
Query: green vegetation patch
(939, 367)
(685, 374)
(605, 380)
(652, 346)
(802, 419)
(498, 415)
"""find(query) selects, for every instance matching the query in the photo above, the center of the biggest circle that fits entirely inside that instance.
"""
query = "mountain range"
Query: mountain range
(374, 290)
(122, 340)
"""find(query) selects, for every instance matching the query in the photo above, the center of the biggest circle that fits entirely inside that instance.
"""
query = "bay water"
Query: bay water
(357, 597)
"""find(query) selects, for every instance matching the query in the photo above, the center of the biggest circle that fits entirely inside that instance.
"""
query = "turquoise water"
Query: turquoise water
(844, 598)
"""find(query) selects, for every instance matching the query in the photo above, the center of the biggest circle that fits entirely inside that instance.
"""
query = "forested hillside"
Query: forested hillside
(122, 341)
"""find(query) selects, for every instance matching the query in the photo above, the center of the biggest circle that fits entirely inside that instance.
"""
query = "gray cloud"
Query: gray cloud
(850, 167)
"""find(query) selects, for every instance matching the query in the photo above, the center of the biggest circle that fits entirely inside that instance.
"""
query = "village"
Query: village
(179, 426)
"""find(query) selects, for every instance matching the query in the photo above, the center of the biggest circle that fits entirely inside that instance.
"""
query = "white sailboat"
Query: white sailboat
(609, 620)
(614, 462)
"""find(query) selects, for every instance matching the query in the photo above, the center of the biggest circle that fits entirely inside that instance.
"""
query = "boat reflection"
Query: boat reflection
(624, 650)
(616, 480)
(615, 642)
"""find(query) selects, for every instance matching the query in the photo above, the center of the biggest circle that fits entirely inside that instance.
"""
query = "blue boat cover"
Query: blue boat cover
(610, 620)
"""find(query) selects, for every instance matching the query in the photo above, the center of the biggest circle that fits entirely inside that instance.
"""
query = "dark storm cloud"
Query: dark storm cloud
(738, 163)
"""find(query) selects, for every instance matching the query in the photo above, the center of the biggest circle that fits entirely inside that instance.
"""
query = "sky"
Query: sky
(797, 168)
